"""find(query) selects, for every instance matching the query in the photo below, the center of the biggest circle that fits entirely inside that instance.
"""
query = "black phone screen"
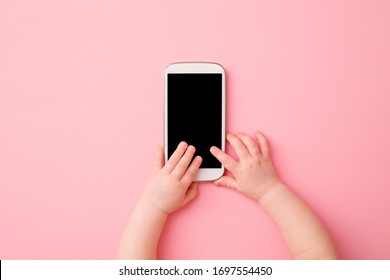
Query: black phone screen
(195, 114)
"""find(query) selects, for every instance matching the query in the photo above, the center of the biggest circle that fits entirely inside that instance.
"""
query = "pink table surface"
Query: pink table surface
(81, 115)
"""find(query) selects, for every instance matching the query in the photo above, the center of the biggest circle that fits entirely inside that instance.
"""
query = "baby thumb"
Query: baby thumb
(226, 181)
(192, 191)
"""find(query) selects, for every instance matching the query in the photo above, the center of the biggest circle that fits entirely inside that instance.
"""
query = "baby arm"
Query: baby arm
(254, 175)
(168, 188)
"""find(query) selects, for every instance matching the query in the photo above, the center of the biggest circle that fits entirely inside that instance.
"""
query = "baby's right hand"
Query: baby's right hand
(170, 185)
(254, 173)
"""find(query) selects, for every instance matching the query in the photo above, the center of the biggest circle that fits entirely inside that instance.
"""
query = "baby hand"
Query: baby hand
(254, 173)
(170, 186)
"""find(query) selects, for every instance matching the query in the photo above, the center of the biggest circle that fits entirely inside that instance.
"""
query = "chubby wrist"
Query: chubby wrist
(151, 208)
(271, 190)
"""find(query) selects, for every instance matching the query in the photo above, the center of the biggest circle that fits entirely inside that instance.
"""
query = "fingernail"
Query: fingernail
(182, 144)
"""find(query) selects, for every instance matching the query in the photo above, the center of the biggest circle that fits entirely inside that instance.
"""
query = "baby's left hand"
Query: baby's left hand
(170, 186)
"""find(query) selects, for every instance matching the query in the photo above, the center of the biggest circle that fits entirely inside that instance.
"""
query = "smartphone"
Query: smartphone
(195, 113)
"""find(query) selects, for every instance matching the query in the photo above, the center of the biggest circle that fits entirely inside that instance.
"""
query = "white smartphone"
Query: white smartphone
(195, 113)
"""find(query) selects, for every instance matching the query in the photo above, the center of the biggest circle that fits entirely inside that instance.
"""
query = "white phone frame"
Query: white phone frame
(204, 174)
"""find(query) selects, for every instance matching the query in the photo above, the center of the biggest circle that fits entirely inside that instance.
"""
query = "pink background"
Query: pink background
(81, 115)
